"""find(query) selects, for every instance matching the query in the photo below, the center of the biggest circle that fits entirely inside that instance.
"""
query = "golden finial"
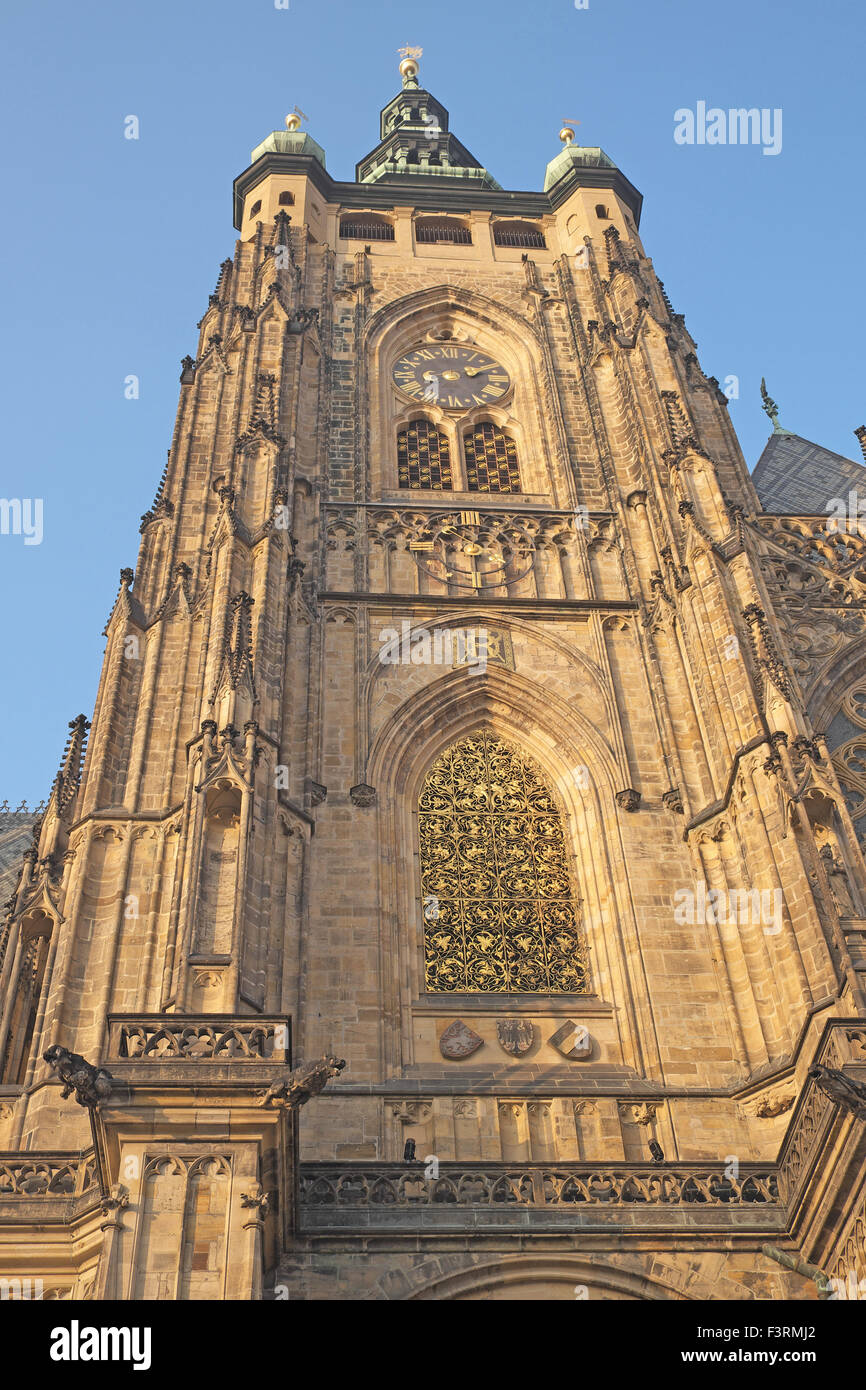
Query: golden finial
(409, 65)
(293, 120)
(566, 135)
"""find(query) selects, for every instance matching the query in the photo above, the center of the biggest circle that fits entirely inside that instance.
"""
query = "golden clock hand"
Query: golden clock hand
(476, 371)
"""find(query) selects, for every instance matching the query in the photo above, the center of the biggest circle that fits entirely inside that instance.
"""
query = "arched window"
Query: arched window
(846, 740)
(423, 457)
(491, 460)
(518, 234)
(366, 226)
(287, 200)
(499, 915)
(430, 230)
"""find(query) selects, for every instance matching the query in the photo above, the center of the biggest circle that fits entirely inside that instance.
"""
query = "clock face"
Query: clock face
(469, 550)
(455, 378)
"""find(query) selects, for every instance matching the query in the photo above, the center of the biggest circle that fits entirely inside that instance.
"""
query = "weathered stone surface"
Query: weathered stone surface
(240, 847)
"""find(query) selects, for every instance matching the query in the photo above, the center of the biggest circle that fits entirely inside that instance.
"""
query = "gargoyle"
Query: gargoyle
(296, 1087)
(851, 1095)
(90, 1084)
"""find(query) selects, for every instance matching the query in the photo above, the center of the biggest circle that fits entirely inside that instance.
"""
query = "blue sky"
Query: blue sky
(112, 245)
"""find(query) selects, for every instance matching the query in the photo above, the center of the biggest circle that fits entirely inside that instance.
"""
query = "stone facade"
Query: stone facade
(229, 869)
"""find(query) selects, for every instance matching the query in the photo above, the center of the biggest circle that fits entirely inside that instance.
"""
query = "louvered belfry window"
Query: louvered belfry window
(491, 460)
(423, 457)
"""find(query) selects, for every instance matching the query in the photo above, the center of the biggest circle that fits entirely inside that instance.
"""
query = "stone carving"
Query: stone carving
(764, 649)
(516, 1035)
(628, 799)
(207, 979)
(258, 1200)
(799, 1266)
(838, 881)
(673, 800)
(411, 1112)
(44, 1177)
(459, 1040)
(509, 1184)
(771, 1106)
(640, 1114)
(317, 793)
(299, 1086)
(572, 1040)
(847, 1093)
(114, 1202)
(362, 795)
(466, 1109)
(807, 1129)
(90, 1084)
(194, 1041)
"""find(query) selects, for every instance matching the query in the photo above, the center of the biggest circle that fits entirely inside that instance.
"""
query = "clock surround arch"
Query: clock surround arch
(530, 411)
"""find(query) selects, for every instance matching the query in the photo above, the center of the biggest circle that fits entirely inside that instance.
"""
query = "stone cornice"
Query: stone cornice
(556, 605)
(433, 195)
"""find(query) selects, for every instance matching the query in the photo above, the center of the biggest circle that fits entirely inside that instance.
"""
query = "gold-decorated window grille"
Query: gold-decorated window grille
(499, 914)
(423, 457)
(491, 460)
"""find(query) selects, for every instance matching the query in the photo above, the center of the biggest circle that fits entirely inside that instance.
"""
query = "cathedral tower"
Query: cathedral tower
(464, 718)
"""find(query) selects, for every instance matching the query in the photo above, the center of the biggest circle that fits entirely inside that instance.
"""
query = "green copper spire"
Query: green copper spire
(415, 141)
(586, 156)
(771, 409)
(292, 140)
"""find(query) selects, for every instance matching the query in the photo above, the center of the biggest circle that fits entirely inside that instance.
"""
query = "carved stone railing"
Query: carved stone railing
(45, 1175)
(563, 1186)
(210, 1038)
(844, 1042)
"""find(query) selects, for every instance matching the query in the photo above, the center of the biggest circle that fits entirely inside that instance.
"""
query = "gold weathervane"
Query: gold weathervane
(293, 120)
(409, 64)
(566, 135)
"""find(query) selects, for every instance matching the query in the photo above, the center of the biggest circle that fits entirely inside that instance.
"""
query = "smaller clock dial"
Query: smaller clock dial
(455, 378)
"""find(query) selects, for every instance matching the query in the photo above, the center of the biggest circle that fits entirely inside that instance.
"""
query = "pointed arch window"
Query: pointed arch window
(491, 460)
(846, 740)
(423, 457)
(499, 912)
